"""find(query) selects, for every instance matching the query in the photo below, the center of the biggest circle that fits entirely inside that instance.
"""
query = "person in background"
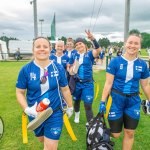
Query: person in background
(81, 66)
(119, 52)
(122, 82)
(59, 56)
(148, 50)
(101, 56)
(39, 79)
(17, 54)
(70, 48)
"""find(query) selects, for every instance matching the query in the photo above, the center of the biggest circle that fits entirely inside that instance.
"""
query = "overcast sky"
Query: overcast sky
(72, 17)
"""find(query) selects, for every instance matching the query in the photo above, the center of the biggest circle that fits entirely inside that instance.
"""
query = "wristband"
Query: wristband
(95, 43)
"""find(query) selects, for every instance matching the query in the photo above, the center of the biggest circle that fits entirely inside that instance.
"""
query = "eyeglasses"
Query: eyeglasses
(44, 77)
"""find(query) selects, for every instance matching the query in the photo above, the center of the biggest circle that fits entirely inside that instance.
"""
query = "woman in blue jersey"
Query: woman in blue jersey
(81, 65)
(39, 79)
(70, 48)
(124, 73)
(59, 57)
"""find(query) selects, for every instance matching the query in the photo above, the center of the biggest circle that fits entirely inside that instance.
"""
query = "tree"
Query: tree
(134, 31)
(63, 39)
(145, 40)
(104, 42)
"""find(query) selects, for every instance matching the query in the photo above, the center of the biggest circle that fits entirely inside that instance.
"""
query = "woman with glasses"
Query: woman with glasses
(44, 79)
(124, 73)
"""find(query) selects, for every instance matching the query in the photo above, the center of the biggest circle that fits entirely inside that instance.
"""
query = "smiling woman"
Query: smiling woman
(40, 79)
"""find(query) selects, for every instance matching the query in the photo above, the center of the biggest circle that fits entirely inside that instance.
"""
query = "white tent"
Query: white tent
(3, 51)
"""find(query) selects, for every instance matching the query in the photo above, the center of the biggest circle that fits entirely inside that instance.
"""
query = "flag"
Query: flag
(53, 29)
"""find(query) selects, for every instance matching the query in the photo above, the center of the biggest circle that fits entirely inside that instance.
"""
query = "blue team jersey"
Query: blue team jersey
(29, 78)
(70, 53)
(86, 61)
(127, 74)
(53, 51)
(63, 60)
(101, 55)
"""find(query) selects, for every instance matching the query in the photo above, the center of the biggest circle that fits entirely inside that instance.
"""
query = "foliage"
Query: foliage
(134, 31)
(145, 40)
(104, 42)
(6, 39)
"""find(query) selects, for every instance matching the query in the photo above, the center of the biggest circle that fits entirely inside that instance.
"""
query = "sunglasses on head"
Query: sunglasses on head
(44, 77)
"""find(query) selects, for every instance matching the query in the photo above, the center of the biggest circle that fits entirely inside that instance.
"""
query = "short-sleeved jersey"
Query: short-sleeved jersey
(101, 55)
(127, 73)
(53, 51)
(86, 61)
(63, 60)
(29, 78)
(70, 53)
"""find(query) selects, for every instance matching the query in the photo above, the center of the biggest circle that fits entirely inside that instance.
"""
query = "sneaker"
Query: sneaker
(77, 117)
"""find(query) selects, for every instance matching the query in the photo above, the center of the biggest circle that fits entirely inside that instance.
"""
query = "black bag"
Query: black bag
(72, 83)
(98, 135)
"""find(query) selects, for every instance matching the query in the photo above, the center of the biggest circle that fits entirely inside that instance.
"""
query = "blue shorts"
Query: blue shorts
(52, 127)
(84, 91)
(127, 105)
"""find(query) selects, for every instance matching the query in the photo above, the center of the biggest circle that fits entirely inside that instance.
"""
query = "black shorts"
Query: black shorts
(127, 121)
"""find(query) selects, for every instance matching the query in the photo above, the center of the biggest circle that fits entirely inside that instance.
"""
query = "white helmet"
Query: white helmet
(145, 107)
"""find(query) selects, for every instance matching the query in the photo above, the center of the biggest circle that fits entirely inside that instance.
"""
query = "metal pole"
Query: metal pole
(35, 18)
(41, 20)
(127, 18)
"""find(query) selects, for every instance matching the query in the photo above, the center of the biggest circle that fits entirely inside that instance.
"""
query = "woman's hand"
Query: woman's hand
(89, 35)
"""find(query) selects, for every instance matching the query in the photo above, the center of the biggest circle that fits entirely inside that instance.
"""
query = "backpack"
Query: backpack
(98, 135)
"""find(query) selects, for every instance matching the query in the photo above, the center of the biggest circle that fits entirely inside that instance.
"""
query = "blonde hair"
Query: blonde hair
(60, 42)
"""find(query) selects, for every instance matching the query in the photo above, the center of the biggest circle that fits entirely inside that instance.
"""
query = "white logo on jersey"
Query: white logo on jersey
(138, 68)
(54, 74)
(121, 66)
(64, 61)
(32, 76)
(136, 112)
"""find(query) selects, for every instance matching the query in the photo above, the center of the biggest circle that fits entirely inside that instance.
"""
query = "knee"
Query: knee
(115, 135)
(88, 106)
(129, 134)
(41, 139)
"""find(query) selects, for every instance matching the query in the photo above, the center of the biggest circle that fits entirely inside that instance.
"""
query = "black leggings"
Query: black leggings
(88, 109)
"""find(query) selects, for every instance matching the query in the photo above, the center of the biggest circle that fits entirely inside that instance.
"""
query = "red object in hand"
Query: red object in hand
(43, 105)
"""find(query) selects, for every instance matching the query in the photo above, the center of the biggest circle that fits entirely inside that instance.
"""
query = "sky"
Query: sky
(105, 18)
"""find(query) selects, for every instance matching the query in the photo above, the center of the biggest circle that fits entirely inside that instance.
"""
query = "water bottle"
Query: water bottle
(43, 105)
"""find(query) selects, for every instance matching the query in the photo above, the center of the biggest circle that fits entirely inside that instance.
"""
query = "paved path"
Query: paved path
(100, 66)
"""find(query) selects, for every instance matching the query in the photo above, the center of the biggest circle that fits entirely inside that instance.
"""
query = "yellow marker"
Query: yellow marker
(97, 91)
(95, 88)
(69, 128)
(24, 128)
(108, 105)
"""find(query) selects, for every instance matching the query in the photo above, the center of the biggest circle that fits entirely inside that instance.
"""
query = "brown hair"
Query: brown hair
(40, 37)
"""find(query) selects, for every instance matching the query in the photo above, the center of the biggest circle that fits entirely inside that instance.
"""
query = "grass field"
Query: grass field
(11, 112)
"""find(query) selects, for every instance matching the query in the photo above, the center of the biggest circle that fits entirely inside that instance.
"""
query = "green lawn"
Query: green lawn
(11, 112)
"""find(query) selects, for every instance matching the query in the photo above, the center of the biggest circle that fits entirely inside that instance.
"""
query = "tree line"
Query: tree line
(104, 42)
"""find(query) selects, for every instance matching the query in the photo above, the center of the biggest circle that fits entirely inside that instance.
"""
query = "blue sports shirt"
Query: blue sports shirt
(127, 74)
(70, 53)
(63, 60)
(86, 61)
(29, 78)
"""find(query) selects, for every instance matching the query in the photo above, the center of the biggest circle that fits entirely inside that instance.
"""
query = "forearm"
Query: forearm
(21, 98)
(67, 95)
(97, 48)
(106, 92)
(146, 91)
